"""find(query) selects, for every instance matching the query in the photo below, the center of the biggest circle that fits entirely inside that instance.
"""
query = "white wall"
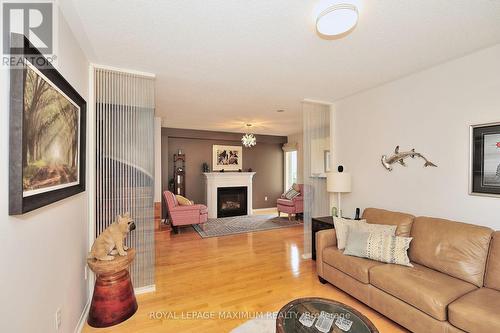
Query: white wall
(430, 111)
(42, 253)
(299, 139)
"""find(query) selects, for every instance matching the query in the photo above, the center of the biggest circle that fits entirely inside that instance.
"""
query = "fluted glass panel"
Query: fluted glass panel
(125, 162)
(316, 122)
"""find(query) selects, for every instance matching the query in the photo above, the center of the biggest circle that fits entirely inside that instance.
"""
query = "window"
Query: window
(290, 168)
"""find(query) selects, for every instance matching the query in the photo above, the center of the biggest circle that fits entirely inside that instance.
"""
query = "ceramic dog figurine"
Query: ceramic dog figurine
(110, 241)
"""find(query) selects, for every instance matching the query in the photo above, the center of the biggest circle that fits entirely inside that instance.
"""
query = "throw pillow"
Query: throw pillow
(389, 230)
(291, 193)
(379, 247)
(341, 229)
(183, 201)
(296, 187)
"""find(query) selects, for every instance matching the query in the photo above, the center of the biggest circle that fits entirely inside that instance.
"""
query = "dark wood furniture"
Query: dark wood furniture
(319, 223)
(113, 300)
(288, 317)
(180, 174)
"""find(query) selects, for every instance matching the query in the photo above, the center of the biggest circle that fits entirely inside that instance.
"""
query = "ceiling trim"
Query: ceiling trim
(316, 101)
(123, 70)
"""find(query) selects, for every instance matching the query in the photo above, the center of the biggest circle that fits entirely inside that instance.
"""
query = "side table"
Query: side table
(114, 300)
(319, 223)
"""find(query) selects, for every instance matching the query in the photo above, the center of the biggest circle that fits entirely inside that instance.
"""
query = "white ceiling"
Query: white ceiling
(220, 64)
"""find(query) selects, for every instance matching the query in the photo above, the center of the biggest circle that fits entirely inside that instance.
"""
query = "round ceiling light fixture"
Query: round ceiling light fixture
(337, 17)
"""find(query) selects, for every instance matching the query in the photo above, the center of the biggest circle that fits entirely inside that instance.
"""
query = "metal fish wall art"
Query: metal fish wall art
(399, 157)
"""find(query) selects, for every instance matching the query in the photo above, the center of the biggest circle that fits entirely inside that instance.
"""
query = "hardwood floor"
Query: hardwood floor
(247, 272)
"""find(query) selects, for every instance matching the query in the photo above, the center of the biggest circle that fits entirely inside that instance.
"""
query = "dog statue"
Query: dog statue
(110, 241)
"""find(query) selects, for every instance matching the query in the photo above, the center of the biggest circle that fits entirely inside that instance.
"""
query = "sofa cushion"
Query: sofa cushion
(381, 216)
(357, 268)
(492, 278)
(478, 311)
(427, 290)
(285, 202)
(454, 248)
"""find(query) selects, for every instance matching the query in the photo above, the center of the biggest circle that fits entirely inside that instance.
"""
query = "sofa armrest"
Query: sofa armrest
(324, 239)
(298, 198)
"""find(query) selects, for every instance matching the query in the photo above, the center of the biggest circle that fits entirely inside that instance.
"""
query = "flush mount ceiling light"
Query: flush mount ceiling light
(248, 140)
(337, 17)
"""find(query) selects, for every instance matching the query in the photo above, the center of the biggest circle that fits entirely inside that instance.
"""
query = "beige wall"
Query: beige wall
(43, 253)
(430, 111)
(266, 159)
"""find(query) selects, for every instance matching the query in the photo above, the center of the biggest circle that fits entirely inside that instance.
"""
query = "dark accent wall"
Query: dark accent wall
(266, 159)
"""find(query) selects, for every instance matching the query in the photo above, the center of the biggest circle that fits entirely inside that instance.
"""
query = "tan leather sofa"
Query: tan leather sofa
(454, 285)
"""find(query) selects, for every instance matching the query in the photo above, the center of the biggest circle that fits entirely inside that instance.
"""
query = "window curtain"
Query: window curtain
(125, 161)
(316, 122)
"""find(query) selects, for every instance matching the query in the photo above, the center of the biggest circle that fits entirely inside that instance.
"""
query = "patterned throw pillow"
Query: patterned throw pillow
(389, 230)
(291, 193)
(379, 247)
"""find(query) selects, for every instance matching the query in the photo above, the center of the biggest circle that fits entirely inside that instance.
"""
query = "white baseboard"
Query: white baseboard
(145, 290)
(307, 256)
(83, 317)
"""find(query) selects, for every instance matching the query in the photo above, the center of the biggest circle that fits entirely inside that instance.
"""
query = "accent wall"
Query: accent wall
(266, 159)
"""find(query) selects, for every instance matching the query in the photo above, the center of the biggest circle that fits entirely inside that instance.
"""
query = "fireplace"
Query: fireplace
(232, 201)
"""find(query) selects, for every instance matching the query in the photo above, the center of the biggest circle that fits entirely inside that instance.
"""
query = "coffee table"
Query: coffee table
(288, 317)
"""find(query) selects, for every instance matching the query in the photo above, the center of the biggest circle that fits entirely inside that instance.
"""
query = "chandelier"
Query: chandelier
(249, 139)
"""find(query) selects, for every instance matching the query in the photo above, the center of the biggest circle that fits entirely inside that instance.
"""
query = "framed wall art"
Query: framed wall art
(485, 160)
(47, 134)
(227, 158)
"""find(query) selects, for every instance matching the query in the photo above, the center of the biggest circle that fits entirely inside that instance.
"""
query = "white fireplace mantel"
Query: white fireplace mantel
(215, 180)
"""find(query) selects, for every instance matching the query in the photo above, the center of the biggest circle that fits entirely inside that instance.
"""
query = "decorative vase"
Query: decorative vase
(335, 212)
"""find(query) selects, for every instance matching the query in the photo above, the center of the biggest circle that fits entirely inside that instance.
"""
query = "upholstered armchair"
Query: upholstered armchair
(292, 207)
(184, 215)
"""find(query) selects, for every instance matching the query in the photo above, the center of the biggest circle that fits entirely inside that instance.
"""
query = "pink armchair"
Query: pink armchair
(292, 207)
(184, 215)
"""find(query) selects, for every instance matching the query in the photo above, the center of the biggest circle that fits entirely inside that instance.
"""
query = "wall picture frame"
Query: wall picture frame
(227, 158)
(484, 171)
(47, 132)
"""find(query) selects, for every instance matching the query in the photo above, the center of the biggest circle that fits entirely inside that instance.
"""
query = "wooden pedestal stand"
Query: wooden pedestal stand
(114, 300)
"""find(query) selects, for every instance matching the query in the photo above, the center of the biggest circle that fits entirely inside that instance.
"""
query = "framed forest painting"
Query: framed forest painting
(47, 134)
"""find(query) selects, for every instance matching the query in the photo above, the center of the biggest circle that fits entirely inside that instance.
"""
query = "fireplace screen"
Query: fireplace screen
(231, 201)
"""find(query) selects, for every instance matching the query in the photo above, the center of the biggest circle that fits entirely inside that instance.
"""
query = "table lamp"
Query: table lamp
(339, 182)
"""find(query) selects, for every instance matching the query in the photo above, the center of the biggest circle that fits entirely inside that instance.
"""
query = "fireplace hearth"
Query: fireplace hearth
(232, 201)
